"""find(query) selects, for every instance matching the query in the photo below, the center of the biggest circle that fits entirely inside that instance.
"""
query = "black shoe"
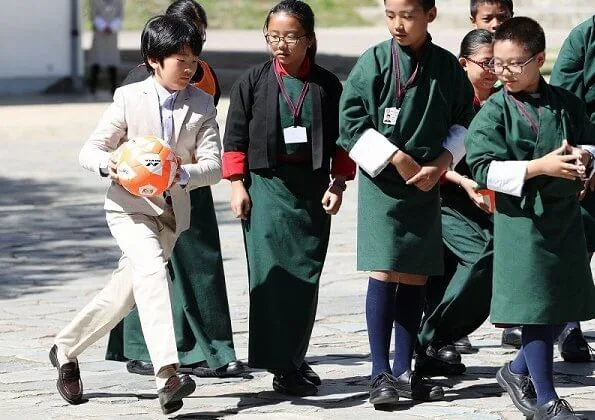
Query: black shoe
(230, 370)
(176, 388)
(309, 374)
(573, 346)
(293, 383)
(555, 409)
(140, 368)
(383, 390)
(69, 382)
(415, 387)
(429, 366)
(520, 388)
(511, 337)
(446, 353)
(463, 345)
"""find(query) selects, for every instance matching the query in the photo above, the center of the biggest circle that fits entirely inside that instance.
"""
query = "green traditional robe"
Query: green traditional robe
(574, 70)
(286, 240)
(398, 225)
(541, 267)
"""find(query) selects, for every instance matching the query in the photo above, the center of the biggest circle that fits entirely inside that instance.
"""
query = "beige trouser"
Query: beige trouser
(142, 278)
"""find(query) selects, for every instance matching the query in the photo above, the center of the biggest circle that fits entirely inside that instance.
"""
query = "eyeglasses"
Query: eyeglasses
(485, 65)
(513, 69)
(289, 40)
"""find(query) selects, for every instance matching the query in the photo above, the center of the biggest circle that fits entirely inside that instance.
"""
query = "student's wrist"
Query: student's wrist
(534, 168)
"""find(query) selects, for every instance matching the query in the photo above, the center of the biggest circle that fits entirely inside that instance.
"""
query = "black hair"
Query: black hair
(303, 13)
(190, 9)
(425, 4)
(524, 31)
(474, 40)
(166, 35)
(474, 4)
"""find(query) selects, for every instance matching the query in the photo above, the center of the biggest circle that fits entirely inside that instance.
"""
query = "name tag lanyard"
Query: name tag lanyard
(527, 116)
(296, 109)
(400, 88)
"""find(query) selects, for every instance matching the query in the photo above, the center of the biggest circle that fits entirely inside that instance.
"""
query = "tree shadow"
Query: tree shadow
(51, 233)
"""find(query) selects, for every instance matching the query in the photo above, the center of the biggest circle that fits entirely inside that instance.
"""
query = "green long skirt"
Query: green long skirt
(199, 298)
(465, 304)
(286, 239)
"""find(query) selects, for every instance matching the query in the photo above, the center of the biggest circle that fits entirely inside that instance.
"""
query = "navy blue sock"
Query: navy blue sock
(409, 301)
(538, 342)
(519, 364)
(380, 316)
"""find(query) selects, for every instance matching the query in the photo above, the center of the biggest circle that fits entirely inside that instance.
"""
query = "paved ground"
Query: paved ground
(56, 252)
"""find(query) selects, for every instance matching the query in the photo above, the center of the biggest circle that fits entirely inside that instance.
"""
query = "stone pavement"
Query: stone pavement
(56, 253)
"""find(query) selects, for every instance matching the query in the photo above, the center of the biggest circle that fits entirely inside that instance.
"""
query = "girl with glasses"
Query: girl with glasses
(280, 155)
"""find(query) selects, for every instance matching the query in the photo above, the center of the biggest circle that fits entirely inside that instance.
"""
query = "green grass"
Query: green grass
(243, 14)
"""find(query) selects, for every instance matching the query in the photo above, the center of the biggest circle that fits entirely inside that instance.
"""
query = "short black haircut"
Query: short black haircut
(523, 31)
(425, 4)
(166, 35)
(190, 9)
(474, 4)
(474, 40)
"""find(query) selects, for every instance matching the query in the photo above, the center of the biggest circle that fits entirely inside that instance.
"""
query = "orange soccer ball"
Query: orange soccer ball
(146, 166)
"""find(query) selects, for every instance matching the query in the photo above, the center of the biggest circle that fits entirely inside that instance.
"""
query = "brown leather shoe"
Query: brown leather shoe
(69, 382)
(176, 388)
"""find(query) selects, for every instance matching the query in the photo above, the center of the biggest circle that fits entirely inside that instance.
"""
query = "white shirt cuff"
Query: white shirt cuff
(184, 177)
(507, 177)
(100, 23)
(115, 24)
(455, 143)
(372, 152)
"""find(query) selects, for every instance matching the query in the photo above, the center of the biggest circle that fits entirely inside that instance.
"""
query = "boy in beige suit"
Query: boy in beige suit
(163, 105)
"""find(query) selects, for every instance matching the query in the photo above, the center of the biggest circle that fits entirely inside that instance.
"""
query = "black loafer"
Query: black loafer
(383, 390)
(69, 382)
(429, 366)
(294, 383)
(415, 387)
(573, 347)
(463, 345)
(232, 369)
(309, 374)
(555, 409)
(139, 367)
(176, 388)
(520, 388)
(444, 352)
(511, 337)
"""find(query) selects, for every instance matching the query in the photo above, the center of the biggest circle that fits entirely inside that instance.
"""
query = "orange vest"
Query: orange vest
(207, 83)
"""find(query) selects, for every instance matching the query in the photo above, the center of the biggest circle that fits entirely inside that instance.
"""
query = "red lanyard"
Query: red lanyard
(401, 89)
(295, 109)
(526, 114)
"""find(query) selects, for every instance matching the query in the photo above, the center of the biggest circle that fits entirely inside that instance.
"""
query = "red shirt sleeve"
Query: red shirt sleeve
(343, 165)
(234, 163)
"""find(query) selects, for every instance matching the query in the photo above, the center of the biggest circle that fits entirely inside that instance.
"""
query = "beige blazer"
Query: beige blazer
(135, 112)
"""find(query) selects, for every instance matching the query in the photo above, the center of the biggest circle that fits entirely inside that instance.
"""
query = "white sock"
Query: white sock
(163, 375)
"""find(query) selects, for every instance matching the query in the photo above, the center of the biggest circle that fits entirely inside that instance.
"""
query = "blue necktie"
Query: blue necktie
(168, 119)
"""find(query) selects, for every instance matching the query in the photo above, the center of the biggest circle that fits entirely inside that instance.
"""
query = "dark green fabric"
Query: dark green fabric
(398, 225)
(294, 88)
(465, 304)
(199, 298)
(286, 240)
(574, 70)
(541, 268)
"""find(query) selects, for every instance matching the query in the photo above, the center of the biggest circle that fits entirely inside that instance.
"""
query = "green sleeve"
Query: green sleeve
(569, 69)
(357, 107)
(486, 142)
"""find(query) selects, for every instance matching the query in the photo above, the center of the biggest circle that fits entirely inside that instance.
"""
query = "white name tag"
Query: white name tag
(294, 135)
(391, 115)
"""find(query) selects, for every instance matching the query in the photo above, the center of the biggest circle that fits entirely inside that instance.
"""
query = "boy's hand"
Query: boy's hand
(332, 199)
(240, 200)
(559, 163)
(589, 186)
(112, 169)
(405, 164)
(430, 173)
